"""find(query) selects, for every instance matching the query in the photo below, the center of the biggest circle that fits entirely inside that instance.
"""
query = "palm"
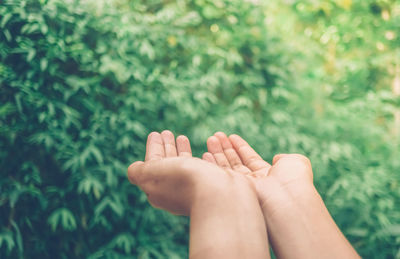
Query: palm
(235, 154)
(164, 160)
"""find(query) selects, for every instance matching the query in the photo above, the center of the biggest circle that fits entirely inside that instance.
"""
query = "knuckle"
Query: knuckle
(252, 159)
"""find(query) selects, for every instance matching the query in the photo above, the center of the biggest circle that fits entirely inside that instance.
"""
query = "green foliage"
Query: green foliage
(84, 82)
(64, 218)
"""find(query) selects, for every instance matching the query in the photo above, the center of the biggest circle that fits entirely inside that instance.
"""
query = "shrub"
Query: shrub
(84, 82)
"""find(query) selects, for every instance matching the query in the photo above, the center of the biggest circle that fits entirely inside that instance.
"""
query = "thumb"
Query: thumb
(134, 171)
(277, 157)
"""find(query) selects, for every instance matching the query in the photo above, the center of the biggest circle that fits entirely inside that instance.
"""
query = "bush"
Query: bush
(84, 82)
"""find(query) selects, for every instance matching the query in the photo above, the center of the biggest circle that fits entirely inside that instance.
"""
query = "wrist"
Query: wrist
(297, 212)
(275, 196)
(229, 218)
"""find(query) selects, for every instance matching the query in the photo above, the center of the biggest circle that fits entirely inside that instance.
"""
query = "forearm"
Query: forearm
(229, 224)
(305, 227)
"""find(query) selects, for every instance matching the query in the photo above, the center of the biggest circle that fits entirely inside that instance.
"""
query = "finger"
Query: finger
(183, 146)
(293, 162)
(154, 147)
(231, 154)
(168, 139)
(277, 157)
(209, 158)
(147, 174)
(134, 171)
(215, 148)
(249, 157)
(298, 157)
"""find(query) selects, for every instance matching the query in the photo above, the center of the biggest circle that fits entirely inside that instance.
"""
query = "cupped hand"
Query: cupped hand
(234, 153)
(292, 208)
(172, 179)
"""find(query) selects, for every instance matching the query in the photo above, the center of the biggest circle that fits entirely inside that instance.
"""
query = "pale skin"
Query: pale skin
(299, 225)
(226, 220)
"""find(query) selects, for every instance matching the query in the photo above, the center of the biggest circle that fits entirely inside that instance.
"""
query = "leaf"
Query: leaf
(7, 34)
(124, 241)
(18, 238)
(62, 217)
(72, 164)
(6, 109)
(358, 232)
(392, 230)
(114, 204)
(15, 194)
(43, 64)
(97, 154)
(31, 55)
(147, 49)
(5, 19)
(6, 238)
(91, 184)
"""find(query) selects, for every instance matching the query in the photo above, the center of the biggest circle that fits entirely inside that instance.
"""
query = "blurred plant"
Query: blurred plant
(84, 82)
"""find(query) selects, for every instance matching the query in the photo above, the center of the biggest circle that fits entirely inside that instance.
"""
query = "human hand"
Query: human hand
(289, 171)
(293, 210)
(172, 179)
(219, 202)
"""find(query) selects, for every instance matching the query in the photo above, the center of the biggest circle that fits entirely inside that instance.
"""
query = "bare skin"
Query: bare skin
(226, 220)
(299, 225)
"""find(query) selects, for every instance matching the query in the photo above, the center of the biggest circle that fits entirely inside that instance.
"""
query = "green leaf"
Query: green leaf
(97, 154)
(114, 204)
(7, 34)
(6, 109)
(43, 64)
(124, 241)
(7, 240)
(5, 19)
(62, 217)
(18, 238)
(91, 184)
(147, 49)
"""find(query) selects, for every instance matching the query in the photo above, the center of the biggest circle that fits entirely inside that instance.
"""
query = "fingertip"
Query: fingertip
(303, 158)
(236, 141)
(209, 140)
(183, 146)
(134, 164)
(182, 138)
(224, 140)
(152, 134)
(213, 144)
(212, 139)
(234, 137)
(219, 134)
(133, 171)
(277, 157)
(167, 133)
(207, 156)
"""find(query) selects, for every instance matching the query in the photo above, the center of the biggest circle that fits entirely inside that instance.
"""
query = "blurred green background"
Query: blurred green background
(84, 81)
